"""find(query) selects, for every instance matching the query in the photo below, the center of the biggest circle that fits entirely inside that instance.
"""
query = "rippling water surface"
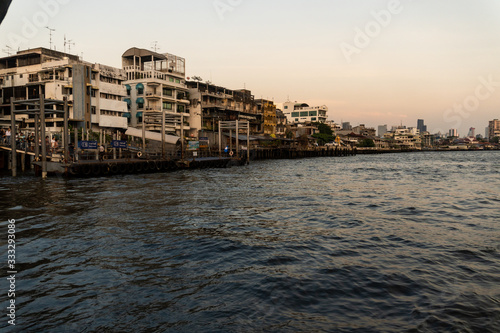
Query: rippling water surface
(386, 243)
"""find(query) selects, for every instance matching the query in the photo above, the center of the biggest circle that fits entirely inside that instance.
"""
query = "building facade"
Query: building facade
(493, 129)
(268, 111)
(303, 113)
(211, 104)
(94, 92)
(156, 88)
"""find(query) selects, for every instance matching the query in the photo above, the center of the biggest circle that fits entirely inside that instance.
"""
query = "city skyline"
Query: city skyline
(373, 63)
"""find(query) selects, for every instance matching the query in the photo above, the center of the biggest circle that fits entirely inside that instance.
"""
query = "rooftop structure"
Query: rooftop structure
(303, 113)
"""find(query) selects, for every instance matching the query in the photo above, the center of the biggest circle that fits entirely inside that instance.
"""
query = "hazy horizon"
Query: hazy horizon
(371, 62)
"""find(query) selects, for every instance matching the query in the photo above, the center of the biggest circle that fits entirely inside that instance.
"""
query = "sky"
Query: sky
(372, 62)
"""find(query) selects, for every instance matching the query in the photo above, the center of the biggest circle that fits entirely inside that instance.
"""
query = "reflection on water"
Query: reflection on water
(392, 243)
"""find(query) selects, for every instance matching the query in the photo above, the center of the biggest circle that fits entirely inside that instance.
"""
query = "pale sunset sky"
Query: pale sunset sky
(371, 62)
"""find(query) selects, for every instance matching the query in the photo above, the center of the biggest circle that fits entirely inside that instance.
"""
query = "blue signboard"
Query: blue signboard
(87, 144)
(119, 144)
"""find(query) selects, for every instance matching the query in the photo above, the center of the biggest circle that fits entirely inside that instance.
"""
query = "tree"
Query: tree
(366, 143)
(496, 139)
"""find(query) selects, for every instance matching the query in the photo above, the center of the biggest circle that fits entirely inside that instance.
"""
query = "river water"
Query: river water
(379, 243)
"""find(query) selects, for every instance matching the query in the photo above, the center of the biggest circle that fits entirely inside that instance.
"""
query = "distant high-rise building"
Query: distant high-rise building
(453, 133)
(472, 132)
(493, 129)
(420, 126)
(382, 129)
(346, 126)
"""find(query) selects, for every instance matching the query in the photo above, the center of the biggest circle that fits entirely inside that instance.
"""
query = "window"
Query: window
(20, 76)
(313, 119)
(286, 107)
(140, 105)
(171, 79)
(168, 92)
(313, 113)
(180, 108)
(140, 91)
(304, 114)
(167, 106)
(177, 81)
(296, 119)
(93, 110)
(295, 114)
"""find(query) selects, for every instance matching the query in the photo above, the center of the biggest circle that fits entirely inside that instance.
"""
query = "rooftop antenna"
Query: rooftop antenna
(155, 46)
(68, 42)
(50, 34)
(8, 50)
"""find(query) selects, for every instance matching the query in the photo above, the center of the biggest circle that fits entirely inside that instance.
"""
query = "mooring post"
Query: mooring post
(220, 142)
(42, 130)
(75, 149)
(66, 134)
(13, 138)
(248, 142)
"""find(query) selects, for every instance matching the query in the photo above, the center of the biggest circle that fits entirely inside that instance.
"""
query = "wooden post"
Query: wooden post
(248, 142)
(42, 131)
(66, 136)
(230, 140)
(143, 133)
(162, 133)
(37, 137)
(220, 142)
(182, 136)
(237, 139)
(115, 137)
(75, 149)
(13, 162)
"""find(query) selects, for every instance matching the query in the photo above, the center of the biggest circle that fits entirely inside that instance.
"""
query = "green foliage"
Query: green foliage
(366, 143)
(324, 128)
(323, 138)
(496, 139)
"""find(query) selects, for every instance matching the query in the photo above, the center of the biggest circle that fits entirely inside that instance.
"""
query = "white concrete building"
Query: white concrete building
(95, 92)
(156, 84)
(303, 113)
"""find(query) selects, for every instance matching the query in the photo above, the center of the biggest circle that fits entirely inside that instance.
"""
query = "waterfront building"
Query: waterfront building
(155, 84)
(404, 137)
(280, 124)
(268, 111)
(303, 113)
(382, 129)
(211, 103)
(94, 91)
(493, 129)
(346, 126)
(363, 130)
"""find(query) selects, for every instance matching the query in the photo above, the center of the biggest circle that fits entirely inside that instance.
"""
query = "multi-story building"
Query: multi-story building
(493, 129)
(211, 104)
(303, 113)
(95, 92)
(155, 84)
(382, 129)
(280, 124)
(453, 132)
(268, 111)
(404, 137)
(421, 126)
